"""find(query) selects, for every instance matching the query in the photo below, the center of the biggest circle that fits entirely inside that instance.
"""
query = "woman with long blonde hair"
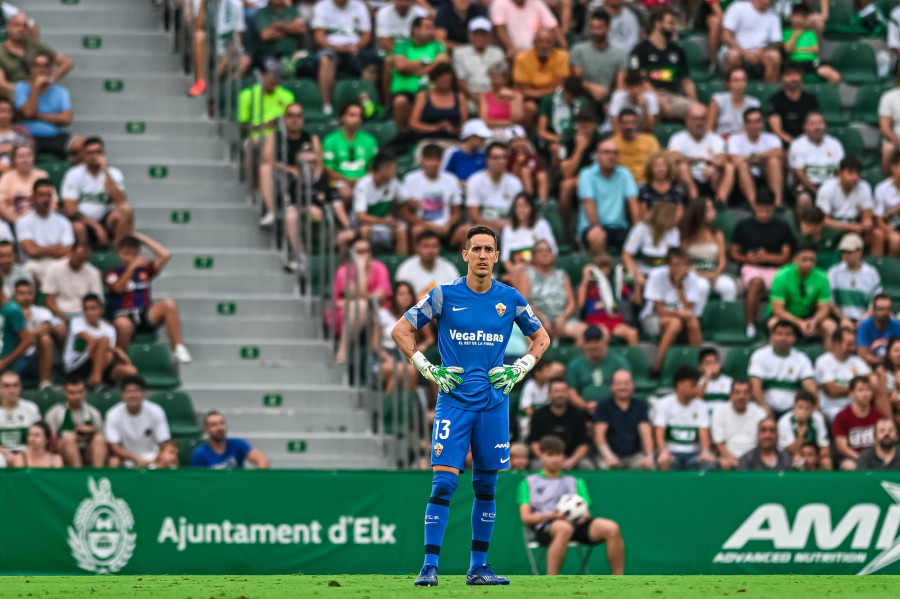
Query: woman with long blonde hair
(647, 244)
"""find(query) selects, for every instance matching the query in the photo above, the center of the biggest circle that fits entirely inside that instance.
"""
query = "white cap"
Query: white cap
(851, 242)
(477, 128)
(480, 24)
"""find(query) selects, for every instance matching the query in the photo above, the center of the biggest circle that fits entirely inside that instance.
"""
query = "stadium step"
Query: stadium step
(162, 149)
(179, 235)
(323, 444)
(289, 420)
(141, 170)
(131, 105)
(173, 127)
(149, 42)
(262, 350)
(260, 282)
(123, 62)
(236, 372)
(219, 260)
(80, 83)
(186, 192)
(203, 215)
(301, 396)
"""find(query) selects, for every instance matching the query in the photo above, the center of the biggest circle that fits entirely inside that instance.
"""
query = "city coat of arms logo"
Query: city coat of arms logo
(101, 539)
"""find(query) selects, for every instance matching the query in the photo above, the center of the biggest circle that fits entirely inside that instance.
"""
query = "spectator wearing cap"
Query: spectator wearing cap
(847, 203)
(343, 30)
(606, 190)
(44, 236)
(635, 147)
(681, 426)
(887, 206)
(468, 157)
(222, 453)
(635, 97)
(622, 429)
(414, 59)
(596, 61)
(590, 375)
(454, 19)
(517, 22)
(766, 455)
(472, 61)
(45, 110)
(539, 71)
(394, 23)
(377, 199)
(18, 52)
(347, 152)
(854, 283)
(67, 281)
(874, 333)
(556, 116)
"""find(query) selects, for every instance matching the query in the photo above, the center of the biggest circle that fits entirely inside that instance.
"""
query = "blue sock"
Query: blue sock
(437, 513)
(484, 510)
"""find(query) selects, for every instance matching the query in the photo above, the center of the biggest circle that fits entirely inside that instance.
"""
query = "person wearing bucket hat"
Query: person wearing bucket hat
(468, 157)
(853, 282)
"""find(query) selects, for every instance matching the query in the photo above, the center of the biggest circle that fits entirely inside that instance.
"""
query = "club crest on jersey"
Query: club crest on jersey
(501, 309)
(438, 448)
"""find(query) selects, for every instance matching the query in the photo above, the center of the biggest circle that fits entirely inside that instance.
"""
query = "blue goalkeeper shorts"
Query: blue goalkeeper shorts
(487, 432)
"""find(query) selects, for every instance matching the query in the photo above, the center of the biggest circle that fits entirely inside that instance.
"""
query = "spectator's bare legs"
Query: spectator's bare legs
(722, 179)
(327, 72)
(745, 178)
(887, 152)
(683, 171)
(165, 312)
(875, 240)
(199, 56)
(670, 327)
(121, 221)
(101, 354)
(771, 65)
(267, 185)
(775, 178)
(44, 350)
(568, 202)
(402, 110)
(560, 534)
(543, 187)
(891, 239)
(755, 291)
(829, 74)
(607, 531)
(124, 330)
(98, 450)
(355, 315)
(69, 450)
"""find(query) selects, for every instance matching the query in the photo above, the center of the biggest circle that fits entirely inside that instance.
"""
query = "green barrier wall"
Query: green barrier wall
(202, 522)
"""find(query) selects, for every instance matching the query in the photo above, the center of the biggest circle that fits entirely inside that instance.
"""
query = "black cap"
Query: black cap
(593, 333)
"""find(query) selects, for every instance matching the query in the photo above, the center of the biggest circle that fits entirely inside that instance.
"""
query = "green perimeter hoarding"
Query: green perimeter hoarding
(317, 522)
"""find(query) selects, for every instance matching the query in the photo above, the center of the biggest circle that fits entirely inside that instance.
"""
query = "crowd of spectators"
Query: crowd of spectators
(637, 193)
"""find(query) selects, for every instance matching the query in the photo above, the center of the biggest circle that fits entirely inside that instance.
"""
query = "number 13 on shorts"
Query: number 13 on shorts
(441, 429)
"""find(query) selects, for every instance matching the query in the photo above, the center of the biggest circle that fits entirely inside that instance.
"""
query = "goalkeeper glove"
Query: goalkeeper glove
(444, 377)
(507, 376)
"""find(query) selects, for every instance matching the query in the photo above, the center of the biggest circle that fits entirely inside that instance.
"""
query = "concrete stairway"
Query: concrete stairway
(257, 354)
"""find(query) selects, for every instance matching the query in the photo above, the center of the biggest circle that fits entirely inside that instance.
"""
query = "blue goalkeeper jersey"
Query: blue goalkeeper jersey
(473, 331)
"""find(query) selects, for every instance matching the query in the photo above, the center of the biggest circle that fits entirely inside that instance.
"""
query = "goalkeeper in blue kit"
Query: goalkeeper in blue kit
(474, 317)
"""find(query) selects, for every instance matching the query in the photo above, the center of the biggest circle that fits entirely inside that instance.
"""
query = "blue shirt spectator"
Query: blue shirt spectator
(468, 157)
(236, 451)
(610, 196)
(874, 332)
(54, 100)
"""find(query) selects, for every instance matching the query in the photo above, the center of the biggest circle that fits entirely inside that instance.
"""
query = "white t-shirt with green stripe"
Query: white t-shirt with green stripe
(14, 424)
(831, 370)
(682, 423)
(781, 376)
(852, 290)
(718, 391)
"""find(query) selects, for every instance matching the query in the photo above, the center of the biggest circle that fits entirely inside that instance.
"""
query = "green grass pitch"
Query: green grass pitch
(400, 587)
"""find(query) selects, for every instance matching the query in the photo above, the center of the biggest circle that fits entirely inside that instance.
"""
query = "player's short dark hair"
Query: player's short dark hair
(91, 297)
(494, 145)
(633, 77)
(134, 379)
(707, 351)
(675, 252)
(383, 158)
(764, 197)
(42, 183)
(736, 382)
(805, 246)
(811, 214)
(480, 230)
(858, 380)
(427, 234)
(627, 112)
(574, 86)
(128, 242)
(685, 373)
(92, 141)
(804, 395)
(600, 15)
(432, 151)
(850, 163)
(551, 444)
(751, 111)
(781, 324)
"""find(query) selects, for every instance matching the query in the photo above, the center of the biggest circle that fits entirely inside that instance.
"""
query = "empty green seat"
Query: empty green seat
(851, 139)
(726, 221)
(306, 93)
(45, 399)
(105, 260)
(826, 260)
(104, 400)
(154, 363)
(564, 354)
(723, 322)
(574, 264)
(640, 370)
(829, 103)
(812, 350)
(706, 89)
(677, 356)
(56, 171)
(865, 108)
(392, 262)
(186, 447)
(663, 131)
(179, 412)
(856, 63)
(889, 269)
(737, 361)
(322, 128)
(383, 132)
(762, 91)
(350, 89)
(695, 62)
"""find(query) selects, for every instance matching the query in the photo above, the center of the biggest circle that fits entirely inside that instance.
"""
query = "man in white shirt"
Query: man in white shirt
(45, 328)
(135, 427)
(751, 39)
(835, 370)
(16, 415)
(44, 236)
(889, 108)
(715, 386)
(778, 370)
(681, 426)
(700, 156)
(734, 425)
(634, 96)
(93, 195)
(490, 193)
(426, 270)
(674, 300)
(757, 154)
(624, 26)
(10, 272)
(68, 281)
(342, 30)
(813, 157)
(91, 351)
(847, 204)
(472, 61)
(854, 283)
(79, 428)
(434, 197)
(376, 198)
(393, 22)
(804, 424)
(887, 206)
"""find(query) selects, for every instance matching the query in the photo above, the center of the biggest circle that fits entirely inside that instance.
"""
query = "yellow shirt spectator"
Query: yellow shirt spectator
(634, 154)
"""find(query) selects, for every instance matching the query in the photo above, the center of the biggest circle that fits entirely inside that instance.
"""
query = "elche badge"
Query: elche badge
(101, 539)
(438, 448)
(501, 309)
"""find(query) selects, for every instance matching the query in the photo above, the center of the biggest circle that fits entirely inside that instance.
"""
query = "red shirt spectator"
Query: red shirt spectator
(860, 431)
